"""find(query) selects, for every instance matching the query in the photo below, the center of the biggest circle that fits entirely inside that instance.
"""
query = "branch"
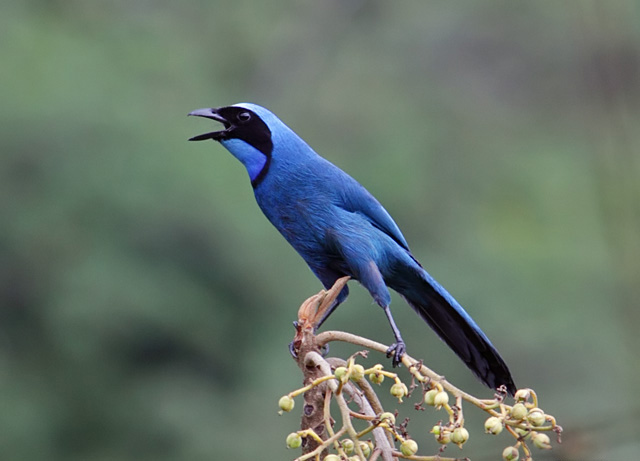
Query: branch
(332, 378)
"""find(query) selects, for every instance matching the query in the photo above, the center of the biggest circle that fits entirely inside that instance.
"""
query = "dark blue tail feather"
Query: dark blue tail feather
(453, 325)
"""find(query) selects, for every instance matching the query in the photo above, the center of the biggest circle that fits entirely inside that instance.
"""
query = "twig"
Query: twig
(339, 380)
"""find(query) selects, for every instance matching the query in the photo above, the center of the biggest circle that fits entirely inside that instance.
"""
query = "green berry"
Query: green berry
(366, 449)
(286, 403)
(340, 373)
(441, 398)
(429, 397)
(294, 440)
(510, 454)
(399, 390)
(444, 438)
(536, 417)
(518, 412)
(522, 395)
(441, 434)
(493, 425)
(371, 445)
(459, 436)
(357, 372)
(541, 440)
(376, 378)
(409, 447)
(332, 457)
(348, 446)
(389, 417)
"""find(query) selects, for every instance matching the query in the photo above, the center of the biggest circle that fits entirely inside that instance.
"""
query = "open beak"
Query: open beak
(213, 115)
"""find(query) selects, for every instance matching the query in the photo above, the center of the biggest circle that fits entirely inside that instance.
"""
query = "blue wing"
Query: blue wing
(356, 199)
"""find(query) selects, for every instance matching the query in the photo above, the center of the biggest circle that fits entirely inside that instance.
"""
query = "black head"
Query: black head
(239, 123)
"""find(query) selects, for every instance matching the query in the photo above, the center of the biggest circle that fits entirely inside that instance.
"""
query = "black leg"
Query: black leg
(398, 348)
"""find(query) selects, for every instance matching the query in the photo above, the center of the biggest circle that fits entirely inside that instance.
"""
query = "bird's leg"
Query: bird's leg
(398, 348)
(371, 278)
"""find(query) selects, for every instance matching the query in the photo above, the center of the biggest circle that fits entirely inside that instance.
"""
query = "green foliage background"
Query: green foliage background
(145, 302)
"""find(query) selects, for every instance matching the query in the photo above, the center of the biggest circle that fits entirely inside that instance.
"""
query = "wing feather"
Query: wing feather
(356, 199)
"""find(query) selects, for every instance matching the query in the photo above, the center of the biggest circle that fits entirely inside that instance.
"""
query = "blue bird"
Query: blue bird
(340, 229)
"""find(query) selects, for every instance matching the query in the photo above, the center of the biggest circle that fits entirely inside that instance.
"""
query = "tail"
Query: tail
(452, 323)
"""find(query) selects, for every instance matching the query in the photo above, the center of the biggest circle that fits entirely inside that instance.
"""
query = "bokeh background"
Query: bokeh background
(146, 303)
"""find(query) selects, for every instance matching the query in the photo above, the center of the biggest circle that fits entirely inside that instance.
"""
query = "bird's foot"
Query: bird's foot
(397, 349)
(292, 350)
(295, 344)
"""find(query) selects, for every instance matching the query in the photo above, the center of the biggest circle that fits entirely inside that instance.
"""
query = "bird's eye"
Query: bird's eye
(244, 116)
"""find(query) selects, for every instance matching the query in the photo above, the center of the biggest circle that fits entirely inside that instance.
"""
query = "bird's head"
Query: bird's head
(241, 121)
(246, 134)
(254, 136)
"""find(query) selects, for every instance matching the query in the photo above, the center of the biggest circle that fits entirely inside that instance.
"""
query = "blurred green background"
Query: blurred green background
(146, 303)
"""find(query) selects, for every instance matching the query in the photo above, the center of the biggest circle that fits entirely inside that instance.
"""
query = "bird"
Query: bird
(340, 229)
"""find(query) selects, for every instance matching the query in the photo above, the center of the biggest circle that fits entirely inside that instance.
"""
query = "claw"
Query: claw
(398, 349)
(292, 350)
